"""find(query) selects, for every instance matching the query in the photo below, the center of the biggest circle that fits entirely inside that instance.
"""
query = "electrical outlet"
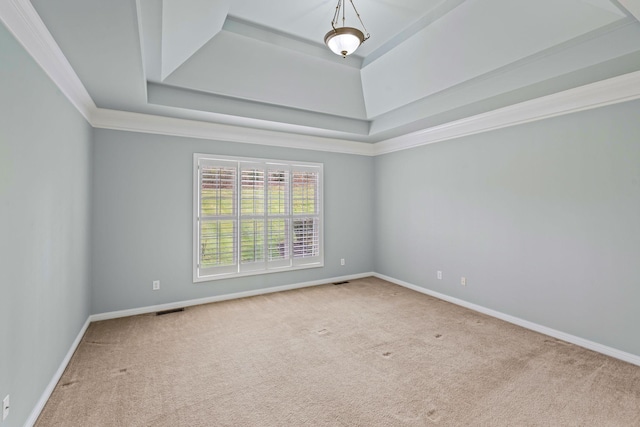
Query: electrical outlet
(342, 261)
(463, 281)
(5, 408)
(156, 285)
(439, 275)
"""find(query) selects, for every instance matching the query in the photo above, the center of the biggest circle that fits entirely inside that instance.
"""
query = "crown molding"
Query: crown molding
(148, 123)
(606, 92)
(25, 24)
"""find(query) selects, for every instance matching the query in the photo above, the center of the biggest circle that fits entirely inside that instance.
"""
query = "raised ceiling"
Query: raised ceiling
(261, 64)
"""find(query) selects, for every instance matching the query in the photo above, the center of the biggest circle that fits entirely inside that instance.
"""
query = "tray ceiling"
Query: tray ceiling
(263, 64)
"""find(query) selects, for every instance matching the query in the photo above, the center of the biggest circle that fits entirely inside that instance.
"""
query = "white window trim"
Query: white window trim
(295, 263)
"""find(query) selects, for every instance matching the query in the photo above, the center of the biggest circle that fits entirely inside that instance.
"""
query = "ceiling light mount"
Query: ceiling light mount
(345, 40)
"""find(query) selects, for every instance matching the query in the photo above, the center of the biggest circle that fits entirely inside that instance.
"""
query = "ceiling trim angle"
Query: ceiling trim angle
(149, 123)
(599, 94)
(25, 24)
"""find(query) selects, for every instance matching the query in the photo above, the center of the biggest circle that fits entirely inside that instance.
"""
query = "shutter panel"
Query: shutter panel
(306, 237)
(305, 192)
(217, 243)
(278, 217)
(252, 219)
(306, 216)
(217, 221)
(255, 216)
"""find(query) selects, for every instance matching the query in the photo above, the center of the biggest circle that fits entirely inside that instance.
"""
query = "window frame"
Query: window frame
(268, 265)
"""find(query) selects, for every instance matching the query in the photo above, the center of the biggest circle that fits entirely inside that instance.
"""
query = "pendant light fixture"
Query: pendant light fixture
(344, 40)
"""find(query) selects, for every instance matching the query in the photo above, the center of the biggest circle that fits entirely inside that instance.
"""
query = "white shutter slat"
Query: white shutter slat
(306, 241)
(252, 191)
(217, 191)
(252, 224)
(305, 192)
(255, 215)
(278, 221)
(306, 218)
(217, 243)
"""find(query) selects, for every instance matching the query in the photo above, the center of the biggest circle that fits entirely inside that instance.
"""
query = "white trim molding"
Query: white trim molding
(35, 413)
(590, 345)
(148, 123)
(25, 24)
(225, 297)
(606, 92)
(599, 94)
(608, 351)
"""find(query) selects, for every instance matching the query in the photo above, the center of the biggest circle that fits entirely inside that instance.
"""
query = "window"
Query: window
(255, 216)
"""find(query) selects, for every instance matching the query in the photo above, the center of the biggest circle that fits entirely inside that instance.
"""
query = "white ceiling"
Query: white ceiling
(311, 20)
(263, 64)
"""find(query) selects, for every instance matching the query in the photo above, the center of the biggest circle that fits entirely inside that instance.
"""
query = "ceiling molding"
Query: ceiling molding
(606, 92)
(632, 6)
(148, 123)
(25, 24)
(196, 100)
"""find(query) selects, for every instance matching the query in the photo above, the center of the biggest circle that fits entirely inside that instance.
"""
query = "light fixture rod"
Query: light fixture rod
(359, 19)
(344, 13)
(336, 15)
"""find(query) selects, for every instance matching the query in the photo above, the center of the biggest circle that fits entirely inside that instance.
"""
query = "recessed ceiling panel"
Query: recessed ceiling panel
(186, 26)
(242, 67)
(311, 20)
(266, 65)
(477, 37)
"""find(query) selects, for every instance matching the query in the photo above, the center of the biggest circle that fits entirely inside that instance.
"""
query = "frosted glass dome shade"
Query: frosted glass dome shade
(344, 40)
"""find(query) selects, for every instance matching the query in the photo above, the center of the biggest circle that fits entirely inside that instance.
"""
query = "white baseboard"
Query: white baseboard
(33, 417)
(150, 309)
(609, 351)
(225, 297)
(599, 348)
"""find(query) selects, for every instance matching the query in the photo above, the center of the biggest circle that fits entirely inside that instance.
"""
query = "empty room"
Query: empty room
(324, 213)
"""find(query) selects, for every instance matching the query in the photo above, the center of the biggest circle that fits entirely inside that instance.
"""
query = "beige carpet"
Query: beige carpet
(366, 353)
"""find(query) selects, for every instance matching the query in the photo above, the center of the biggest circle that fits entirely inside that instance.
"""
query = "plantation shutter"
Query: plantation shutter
(217, 220)
(255, 215)
(306, 215)
(278, 217)
(252, 218)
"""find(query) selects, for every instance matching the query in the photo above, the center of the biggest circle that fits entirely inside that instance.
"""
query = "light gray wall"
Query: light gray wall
(543, 219)
(143, 198)
(45, 154)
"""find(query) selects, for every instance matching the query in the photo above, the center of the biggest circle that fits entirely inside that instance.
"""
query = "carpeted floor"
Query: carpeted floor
(366, 353)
